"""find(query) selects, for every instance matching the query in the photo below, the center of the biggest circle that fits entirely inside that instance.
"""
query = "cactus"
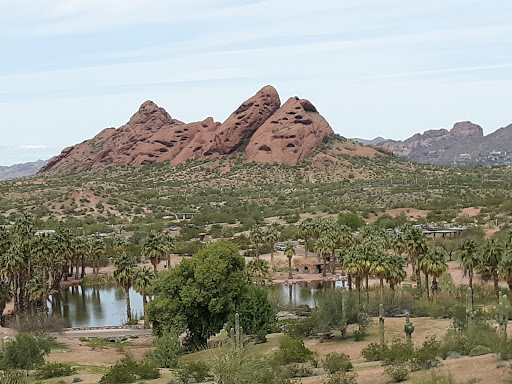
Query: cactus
(503, 315)
(236, 333)
(408, 328)
(344, 319)
(381, 324)
(469, 306)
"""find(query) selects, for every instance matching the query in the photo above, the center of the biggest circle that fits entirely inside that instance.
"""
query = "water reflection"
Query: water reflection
(94, 306)
(301, 293)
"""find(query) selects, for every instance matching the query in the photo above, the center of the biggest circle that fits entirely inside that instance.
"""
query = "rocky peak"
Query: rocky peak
(467, 128)
(150, 112)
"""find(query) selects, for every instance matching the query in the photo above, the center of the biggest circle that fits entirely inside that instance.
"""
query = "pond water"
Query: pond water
(94, 306)
(301, 293)
(98, 306)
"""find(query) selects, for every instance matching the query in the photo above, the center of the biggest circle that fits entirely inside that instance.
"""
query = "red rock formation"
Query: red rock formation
(284, 135)
(289, 135)
(151, 135)
(237, 128)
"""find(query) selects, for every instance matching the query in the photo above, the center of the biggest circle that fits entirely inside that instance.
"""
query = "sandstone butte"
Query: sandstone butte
(261, 127)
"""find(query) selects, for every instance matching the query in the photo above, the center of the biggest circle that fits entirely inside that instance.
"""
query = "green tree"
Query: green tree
(381, 266)
(256, 235)
(143, 278)
(166, 350)
(198, 295)
(490, 261)
(306, 232)
(25, 352)
(6, 295)
(125, 265)
(414, 242)
(154, 248)
(289, 252)
(259, 271)
(469, 258)
(351, 220)
(324, 247)
(271, 237)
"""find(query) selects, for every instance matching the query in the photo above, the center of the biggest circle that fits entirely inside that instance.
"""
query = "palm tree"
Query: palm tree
(505, 268)
(169, 247)
(271, 236)
(381, 266)
(354, 265)
(491, 258)
(469, 259)
(256, 236)
(414, 242)
(289, 252)
(143, 278)
(96, 249)
(123, 274)
(259, 271)
(396, 274)
(305, 231)
(323, 247)
(154, 248)
(6, 295)
(437, 266)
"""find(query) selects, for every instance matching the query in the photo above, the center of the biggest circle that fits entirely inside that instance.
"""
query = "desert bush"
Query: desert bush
(374, 352)
(397, 372)
(425, 357)
(50, 370)
(505, 349)
(301, 327)
(12, 377)
(291, 350)
(193, 371)
(435, 378)
(39, 323)
(127, 370)
(166, 350)
(479, 350)
(399, 352)
(337, 362)
(463, 341)
(342, 378)
(25, 351)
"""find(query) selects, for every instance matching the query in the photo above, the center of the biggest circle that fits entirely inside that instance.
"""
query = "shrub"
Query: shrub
(165, 353)
(399, 352)
(196, 371)
(342, 378)
(399, 372)
(435, 378)
(291, 350)
(25, 351)
(479, 350)
(12, 377)
(336, 362)
(506, 350)
(425, 357)
(374, 352)
(463, 341)
(127, 370)
(50, 370)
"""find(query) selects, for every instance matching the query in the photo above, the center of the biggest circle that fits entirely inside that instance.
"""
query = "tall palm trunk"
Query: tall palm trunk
(77, 269)
(333, 264)
(418, 282)
(257, 249)
(155, 266)
(392, 288)
(349, 281)
(271, 253)
(324, 269)
(496, 280)
(382, 290)
(471, 284)
(426, 286)
(367, 289)
(128, 305)
(434, 288)
(144, 302)
(305, 247)
(358, 287)
(290, 268)
(82, 274)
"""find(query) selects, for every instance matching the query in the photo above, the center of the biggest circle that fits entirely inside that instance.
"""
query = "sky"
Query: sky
(69, 68)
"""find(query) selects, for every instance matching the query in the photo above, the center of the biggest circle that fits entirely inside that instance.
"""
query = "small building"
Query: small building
(205, 237)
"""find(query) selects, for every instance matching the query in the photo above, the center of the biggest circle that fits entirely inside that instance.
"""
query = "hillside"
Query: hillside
(464, 144)
(21, 170)
(261, 128)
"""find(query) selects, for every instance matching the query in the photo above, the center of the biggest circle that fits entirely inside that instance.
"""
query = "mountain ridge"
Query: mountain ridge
(21, 170)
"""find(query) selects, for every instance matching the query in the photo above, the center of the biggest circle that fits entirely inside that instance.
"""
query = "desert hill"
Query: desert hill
(260, 129)
(464, 144)
(21, 170)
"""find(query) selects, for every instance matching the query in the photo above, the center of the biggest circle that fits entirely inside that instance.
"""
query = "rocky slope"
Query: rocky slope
(265, 130)
(464, 144)
(21, 170)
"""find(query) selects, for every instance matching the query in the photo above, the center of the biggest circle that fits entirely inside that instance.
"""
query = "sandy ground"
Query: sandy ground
(409, 212)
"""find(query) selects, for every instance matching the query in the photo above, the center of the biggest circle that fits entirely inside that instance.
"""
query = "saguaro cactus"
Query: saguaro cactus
(344, 319)
(503, 315)
(381, 324)
(408, 328)
(236, 333)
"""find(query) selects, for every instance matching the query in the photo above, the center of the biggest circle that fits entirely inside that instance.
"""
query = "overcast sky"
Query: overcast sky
(70, 68)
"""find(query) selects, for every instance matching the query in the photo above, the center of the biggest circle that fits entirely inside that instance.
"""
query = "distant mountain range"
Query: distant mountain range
(375, 141)
(21, 170)
(464, 144)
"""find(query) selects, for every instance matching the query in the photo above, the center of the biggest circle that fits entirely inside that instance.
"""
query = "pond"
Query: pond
(99, 306)
(96, 306)
(300, 293)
